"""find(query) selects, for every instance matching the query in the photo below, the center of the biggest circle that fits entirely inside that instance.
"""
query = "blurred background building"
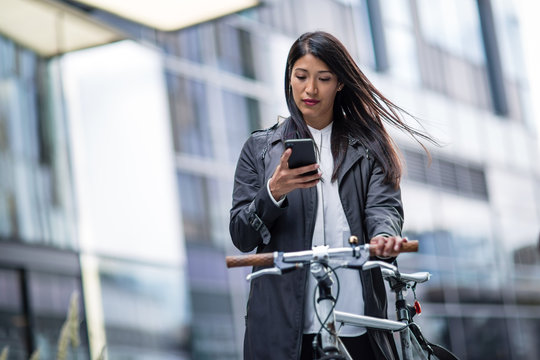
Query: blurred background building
(118, 143)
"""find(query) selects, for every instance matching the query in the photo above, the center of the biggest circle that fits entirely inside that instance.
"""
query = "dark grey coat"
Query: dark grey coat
(275, 309)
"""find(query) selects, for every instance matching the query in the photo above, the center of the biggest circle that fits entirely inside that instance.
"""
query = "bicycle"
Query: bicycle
(323, 261)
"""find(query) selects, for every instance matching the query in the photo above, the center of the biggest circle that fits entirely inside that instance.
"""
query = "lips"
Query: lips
(310, 102)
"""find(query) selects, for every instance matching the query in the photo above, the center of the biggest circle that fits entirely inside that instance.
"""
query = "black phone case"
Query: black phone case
(303, 153)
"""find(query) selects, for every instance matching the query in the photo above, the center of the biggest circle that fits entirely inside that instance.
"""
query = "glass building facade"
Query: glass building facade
(86, 205)
(39, 264)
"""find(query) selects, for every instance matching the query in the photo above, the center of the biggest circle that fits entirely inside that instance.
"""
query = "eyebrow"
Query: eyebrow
(321, 71)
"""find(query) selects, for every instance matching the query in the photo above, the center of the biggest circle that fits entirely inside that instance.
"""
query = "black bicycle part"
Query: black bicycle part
(441, 353)
(420, 338)
(325, 289)
(329, 353)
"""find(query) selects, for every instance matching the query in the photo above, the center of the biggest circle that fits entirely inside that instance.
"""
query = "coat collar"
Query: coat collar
(355, 151)
(278, 134)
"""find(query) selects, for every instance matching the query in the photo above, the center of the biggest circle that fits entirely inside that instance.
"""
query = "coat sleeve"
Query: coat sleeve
(384, 210)
(253, 212)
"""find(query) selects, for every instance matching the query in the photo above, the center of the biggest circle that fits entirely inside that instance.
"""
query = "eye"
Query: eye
(300, 77)
(325, 79)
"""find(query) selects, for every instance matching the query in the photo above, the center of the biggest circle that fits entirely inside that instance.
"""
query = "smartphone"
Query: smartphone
(303, 153)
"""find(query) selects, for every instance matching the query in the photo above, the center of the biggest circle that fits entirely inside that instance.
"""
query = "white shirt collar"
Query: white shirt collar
(324, 131)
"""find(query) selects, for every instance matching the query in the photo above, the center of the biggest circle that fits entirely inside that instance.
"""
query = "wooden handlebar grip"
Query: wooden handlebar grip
(266, 259)
(409, 246)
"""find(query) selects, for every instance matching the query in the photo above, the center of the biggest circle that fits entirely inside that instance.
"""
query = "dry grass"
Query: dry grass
(69, 335)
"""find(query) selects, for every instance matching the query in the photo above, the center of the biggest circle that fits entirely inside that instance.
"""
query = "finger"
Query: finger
(399, 243)
(388, 246)
(376, 243)
(285, 158)
(306, 169)
(380, 245)
(308, 184)
(308, 178)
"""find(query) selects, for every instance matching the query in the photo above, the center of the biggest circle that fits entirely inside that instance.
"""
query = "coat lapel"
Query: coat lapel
(355, 151)
(271, 158)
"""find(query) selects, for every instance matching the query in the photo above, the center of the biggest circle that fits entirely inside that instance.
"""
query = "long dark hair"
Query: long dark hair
(359, 108)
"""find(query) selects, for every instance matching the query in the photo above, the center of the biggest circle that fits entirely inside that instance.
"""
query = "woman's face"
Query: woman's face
(314, 89)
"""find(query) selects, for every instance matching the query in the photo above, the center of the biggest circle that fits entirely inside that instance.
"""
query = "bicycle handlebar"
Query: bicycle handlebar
(409, 246)
(265, 259)
(268, 259)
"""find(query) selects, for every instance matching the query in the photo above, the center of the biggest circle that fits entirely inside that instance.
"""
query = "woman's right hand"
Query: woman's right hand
(285, 180)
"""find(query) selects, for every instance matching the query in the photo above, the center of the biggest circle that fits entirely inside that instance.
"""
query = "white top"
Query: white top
(332, 228)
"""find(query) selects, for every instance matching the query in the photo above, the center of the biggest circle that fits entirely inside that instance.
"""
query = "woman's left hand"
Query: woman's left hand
(387, 246)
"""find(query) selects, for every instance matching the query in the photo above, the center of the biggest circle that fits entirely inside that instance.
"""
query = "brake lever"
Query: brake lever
(377, 263)
(268, 271)
(280, 268)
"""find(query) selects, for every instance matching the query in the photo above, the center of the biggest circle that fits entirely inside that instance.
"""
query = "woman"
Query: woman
(355, 191)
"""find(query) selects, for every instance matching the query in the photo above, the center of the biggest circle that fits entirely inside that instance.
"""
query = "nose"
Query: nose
(311, 87)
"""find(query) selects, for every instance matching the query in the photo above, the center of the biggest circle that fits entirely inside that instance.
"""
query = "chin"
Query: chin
(307, 115)
(308, 112)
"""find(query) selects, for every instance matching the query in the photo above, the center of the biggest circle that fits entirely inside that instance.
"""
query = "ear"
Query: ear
(340, 86)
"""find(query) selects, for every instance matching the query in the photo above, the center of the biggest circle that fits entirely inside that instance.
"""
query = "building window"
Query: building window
(145, 309)
(241, 119)
(190, 116)
(13, 319)
(451, 53)
(196, 193)
(213, 333)
(453, 26)
(399, 30)
(35, 187)
(447, 175)
(234, 50)
(51, 298)
(512, 60)
(33, 308)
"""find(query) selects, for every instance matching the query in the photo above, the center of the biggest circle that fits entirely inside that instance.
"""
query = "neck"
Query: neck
(318, 123)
